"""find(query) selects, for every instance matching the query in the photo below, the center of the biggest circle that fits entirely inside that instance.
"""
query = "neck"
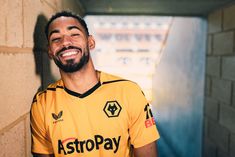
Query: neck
(82, 80)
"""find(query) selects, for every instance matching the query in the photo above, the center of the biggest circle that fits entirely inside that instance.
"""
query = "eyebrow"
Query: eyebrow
(54, 31)
(69, 28)
(74, 27)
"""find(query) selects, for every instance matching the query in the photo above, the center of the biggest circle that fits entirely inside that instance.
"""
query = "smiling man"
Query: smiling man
(88, 112)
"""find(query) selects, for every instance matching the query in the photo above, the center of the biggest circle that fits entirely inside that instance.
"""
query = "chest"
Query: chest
(99, 114)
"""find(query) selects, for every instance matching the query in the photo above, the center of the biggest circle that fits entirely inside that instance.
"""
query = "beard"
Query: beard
(72, 66)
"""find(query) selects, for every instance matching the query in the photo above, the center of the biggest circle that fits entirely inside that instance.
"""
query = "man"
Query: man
(88, 113)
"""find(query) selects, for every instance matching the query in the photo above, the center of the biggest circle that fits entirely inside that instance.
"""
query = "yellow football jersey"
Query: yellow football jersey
(102, 122)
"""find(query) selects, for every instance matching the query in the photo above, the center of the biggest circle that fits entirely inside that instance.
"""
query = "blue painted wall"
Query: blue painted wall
(179, 89)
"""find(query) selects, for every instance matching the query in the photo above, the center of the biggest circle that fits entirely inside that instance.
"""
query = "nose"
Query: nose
(66, 41)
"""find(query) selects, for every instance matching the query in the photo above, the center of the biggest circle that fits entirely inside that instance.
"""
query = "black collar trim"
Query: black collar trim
(84, 94)
(114, 81)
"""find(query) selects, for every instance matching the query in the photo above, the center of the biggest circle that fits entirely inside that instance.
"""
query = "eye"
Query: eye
(75, 35)
(55, 39)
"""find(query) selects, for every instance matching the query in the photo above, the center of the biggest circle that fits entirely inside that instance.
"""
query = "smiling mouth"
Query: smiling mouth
(69, 53)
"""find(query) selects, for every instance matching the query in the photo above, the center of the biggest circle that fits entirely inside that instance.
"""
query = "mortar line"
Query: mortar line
(14, 123)
(49, 4)
(15, 50)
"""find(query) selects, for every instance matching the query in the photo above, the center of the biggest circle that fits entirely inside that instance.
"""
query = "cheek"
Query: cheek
(53, 49)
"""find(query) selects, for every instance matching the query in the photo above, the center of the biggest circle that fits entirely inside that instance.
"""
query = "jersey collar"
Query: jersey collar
(90, 91)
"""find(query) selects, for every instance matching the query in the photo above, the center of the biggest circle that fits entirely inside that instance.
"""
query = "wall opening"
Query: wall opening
(166, 57)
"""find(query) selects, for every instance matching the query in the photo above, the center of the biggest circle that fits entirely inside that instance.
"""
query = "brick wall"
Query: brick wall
(219, 115)
(24, 64)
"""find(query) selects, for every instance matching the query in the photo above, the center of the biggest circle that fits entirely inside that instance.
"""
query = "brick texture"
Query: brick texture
(208, 86)
(14, 25)
(3, 8)
(221, 90)
(209, 45)
(213, 66)
(31, 11)
(229, 14)
(12, 143)
(228, 68)
(219, 135)
(65, 5)
(209, 148)
(215, 22)
(220, 47)
(211, 108)
(17, 86)
(227, 117)
(219, 127)
(19, 21)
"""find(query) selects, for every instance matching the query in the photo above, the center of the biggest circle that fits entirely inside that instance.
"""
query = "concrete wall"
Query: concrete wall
(219, 115)
(24, 66)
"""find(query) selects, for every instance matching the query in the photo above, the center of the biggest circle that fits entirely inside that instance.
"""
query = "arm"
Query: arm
(149, 150)
(41, 142)
(43, 155)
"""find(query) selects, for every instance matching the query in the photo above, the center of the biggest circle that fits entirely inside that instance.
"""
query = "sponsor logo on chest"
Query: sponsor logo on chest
(74, 145)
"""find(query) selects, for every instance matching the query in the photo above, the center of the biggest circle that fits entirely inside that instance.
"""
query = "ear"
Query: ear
(91, 42)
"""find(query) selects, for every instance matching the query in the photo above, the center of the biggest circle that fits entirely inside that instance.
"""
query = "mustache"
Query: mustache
(68, 48)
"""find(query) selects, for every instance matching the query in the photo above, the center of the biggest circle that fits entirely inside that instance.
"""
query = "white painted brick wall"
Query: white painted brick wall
(14, 24)
(31, 11)
(209, 148)
(12, 143)
(208, 86)
(219, 135)
(229, 14)
(209, 44)
(215, 22)
(228, 68)
(227, 117)
(221, 90)
(223, 43)
(213, 66)
(211, 108)
(3, 8)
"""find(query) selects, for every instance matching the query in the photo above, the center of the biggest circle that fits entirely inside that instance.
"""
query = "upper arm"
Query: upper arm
(142, 128)
(41, 142)
(149, 150)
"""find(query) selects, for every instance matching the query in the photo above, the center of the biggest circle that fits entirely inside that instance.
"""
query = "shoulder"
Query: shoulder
(48, 93)
(120, 82)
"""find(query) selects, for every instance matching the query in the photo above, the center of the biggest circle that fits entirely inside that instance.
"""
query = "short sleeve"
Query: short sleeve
(41, 142)
(142, 128)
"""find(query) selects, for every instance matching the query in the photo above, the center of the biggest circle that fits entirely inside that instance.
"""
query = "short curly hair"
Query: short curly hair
(66, 14)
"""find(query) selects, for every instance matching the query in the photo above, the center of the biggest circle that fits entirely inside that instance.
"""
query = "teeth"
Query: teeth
(69, 54)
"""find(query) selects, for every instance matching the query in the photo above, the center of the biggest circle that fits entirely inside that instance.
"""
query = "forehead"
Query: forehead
(63, 22)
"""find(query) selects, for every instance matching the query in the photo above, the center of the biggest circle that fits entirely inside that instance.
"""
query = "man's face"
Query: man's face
(68, 44)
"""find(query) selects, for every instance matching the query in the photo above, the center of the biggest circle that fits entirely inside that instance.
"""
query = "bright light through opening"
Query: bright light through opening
(129, 46)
